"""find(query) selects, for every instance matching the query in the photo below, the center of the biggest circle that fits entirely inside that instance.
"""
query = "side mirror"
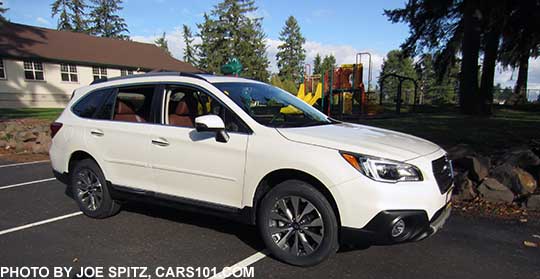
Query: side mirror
(212, 123)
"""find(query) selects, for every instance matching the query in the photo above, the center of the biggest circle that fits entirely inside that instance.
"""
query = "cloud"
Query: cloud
(42, 21)
(174, 38)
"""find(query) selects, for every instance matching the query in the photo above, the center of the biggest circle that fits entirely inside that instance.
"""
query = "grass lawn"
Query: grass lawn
(506, 128)
(36, 113)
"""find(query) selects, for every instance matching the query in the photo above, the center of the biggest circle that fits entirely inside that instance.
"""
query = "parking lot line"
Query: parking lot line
(22, 164)
(26, 183)
(241, 264)
(40, 223)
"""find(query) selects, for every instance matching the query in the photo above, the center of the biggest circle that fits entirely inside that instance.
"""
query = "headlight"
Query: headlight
(383, 170)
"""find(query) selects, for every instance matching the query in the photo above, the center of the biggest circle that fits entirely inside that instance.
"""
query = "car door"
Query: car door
(121, 137)
(191, 164)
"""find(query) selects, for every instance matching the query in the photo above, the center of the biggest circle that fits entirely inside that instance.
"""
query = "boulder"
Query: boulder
(460, 151)
(40, 148)
(492, 190)
(527, 181)
(533, 202)
(521, 157)
(464, 187)
(506, 175)
(26, 136)
(476, 166)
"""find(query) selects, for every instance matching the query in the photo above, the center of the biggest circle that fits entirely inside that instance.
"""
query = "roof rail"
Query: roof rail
(149, 74)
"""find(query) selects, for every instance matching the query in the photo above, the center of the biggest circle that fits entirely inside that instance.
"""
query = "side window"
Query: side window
(184, 104)
(90, 103)
(134, 104)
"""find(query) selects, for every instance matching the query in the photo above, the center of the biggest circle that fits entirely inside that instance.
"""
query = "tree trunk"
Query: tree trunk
(491, 45)
(520, 91)
(468, 86)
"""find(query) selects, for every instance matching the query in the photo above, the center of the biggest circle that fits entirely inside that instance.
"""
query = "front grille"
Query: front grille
(442, 169)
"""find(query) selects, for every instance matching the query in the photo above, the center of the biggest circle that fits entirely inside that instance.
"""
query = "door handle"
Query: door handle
(160, 142)
(97, 132)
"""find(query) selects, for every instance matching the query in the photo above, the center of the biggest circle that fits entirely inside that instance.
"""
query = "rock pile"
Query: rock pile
(25, 135)
(509, 176)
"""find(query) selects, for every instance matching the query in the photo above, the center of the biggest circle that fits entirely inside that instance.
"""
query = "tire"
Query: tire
(312, 225)
(90, 190)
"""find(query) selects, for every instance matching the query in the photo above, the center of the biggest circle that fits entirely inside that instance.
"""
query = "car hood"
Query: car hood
(362, 139)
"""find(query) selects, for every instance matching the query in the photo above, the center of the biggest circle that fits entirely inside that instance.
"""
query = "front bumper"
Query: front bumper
(378, 230)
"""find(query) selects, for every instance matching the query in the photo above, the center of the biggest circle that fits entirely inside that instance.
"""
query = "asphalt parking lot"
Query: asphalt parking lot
(41, 226)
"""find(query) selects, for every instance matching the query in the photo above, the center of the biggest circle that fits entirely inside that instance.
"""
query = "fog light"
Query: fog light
(398, 228)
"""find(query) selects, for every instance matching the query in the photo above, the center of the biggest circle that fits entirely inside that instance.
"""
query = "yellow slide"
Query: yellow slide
(309, 98)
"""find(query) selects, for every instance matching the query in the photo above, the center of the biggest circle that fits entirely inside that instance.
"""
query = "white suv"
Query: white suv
(247, 150)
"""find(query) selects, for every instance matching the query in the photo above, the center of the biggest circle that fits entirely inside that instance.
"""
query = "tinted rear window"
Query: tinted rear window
(90, 103)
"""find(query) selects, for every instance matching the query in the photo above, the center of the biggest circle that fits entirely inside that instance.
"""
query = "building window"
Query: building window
(99, 72)
(2, 70)
(33, 70)
(124, 72)
(69, 72)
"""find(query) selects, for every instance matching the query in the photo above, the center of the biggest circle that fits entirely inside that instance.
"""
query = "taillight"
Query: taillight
(55, 127)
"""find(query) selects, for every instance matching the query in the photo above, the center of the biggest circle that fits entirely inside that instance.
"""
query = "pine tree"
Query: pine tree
(317, 64)
(229, 32)
(162, 43)
(78, 16)
(211, 47)
(104, 20)
(291, 54)
(328, 63)
(62, 7)
(71, 15)
(189, 51)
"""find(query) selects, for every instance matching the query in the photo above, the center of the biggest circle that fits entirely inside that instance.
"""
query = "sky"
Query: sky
(342, 28)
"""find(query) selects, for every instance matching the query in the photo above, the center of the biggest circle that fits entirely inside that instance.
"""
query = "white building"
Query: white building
(41, 67)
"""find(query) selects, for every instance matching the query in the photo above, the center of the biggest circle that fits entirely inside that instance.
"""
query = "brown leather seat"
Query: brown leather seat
(182, 115)
(125, 113)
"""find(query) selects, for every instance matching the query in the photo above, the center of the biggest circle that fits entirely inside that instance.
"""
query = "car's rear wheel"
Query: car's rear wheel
(90, 190)
(298, 224)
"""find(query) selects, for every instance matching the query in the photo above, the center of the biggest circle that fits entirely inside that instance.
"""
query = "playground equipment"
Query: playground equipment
(399, 100)
(338, 92)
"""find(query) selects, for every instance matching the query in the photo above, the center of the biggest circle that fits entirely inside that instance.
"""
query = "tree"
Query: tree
(471, 27)
(396, 62)
(78, 16)
(230, 32)
(62, 7)
(329, 62)
(291, 54)
(434, 89)
(189, 51)
(317, 64)
(287, 85)
(2, 11)
(162, 43)
(446, 27)
(71, 15)
(104, 20)
(521, 40)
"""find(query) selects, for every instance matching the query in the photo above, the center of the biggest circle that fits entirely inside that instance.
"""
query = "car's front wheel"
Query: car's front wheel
(298, 224)
(90, 190)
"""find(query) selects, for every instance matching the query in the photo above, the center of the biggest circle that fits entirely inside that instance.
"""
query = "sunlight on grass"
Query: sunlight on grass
(36, 113)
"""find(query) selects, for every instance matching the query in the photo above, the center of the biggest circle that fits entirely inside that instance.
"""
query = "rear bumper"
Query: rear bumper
(378, 230)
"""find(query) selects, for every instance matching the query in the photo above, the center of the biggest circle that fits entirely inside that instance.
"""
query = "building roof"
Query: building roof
(24, 41)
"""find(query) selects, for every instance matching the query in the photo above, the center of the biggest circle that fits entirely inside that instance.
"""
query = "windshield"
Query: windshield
(271, 106)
